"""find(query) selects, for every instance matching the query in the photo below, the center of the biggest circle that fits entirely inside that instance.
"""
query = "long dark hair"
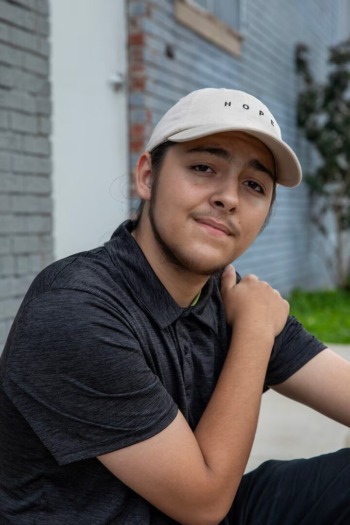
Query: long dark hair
(157, 158)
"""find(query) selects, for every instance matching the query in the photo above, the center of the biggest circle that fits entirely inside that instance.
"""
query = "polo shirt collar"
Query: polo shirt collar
(145, 287)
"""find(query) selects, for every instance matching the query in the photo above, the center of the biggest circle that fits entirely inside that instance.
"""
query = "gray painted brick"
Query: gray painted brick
(19, 16)
(35, 263)
(35, 184)
(39, 86)
(28, 82)
(44, 125)
(7, 287)
(22, 284)
(4, 330)
(5, 161)
(46, 259)
(24, 244)
(44, 47)
(16, 183)
(27, 264)
(42, 6)
(44, 204)
(31, 224)
(4, 32)
(10, 141)
(11, 56)
(43, 105)
(42, 25)
(30, 203)
(29, 20)
(45, 89)
(6, 77)
(35, 63)
(27, 103)
(46, 247)
(3, 119)
(24, 123)
(18, 100)
(5, 245)
(44, 166)
(7, 224)
(22, 80)
(22, 264)
(23, 39)
(8, 12)
(25, 183)
(9, 307)
(24, 203)
(5, 204)
(5, 182)
(28, 4)
(39, 145)
(7, 265)
(29, 244)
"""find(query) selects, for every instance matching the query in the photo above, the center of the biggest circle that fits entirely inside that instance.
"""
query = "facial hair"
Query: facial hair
(183, 262)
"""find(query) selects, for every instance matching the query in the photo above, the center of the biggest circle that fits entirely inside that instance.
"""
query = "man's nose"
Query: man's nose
(226, 197)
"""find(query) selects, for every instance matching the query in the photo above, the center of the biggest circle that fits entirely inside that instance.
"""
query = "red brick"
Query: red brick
(137, 39)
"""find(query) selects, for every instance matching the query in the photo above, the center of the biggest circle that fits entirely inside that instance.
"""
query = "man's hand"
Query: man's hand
(253, 304)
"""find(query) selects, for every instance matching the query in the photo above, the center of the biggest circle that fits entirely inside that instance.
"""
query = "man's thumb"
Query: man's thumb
(228, 277)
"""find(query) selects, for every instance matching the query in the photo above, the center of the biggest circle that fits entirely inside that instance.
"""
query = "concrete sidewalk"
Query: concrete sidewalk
(289, 430)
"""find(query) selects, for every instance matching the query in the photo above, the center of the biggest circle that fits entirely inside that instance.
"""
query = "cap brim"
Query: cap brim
(288, 167)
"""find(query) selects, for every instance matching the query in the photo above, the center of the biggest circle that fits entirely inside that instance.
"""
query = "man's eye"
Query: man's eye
(203, 168)
(254, 186)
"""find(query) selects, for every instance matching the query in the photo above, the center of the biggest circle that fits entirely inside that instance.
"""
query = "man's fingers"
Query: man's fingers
(229, 272)
(251, 277)
(228, 277)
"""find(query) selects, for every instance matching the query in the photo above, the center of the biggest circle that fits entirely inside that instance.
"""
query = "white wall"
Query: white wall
(90, 169)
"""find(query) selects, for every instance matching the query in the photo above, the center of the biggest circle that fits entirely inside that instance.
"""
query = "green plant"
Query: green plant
(326, 314)
(324, 114)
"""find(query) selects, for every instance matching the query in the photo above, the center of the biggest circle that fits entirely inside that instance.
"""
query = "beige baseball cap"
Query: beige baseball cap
(210, 110)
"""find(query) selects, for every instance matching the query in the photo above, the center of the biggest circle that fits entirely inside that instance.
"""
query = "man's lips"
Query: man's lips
(217, 226)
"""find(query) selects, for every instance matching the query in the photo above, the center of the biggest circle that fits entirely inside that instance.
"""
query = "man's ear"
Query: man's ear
(143, 176)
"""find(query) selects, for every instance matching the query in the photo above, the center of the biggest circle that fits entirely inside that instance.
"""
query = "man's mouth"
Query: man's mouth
(216, 227)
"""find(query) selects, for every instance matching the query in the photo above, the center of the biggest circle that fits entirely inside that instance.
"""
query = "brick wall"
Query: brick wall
(167, 60)
(25, 166)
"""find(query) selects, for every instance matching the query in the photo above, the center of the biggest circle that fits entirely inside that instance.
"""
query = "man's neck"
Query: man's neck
(183, 286)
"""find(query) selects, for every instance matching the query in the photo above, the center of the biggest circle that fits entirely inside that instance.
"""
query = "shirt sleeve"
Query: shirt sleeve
(78, 375)
(292, 349)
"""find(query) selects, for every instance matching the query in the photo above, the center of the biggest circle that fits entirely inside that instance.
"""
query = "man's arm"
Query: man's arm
(323, 384)
(193, 477)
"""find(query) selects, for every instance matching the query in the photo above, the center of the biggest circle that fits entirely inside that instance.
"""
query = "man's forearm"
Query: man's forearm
(226, 431)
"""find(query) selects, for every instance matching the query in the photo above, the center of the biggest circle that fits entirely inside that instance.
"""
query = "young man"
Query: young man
(133, 373)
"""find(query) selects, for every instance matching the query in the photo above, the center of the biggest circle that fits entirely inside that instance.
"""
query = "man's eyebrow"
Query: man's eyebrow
(259, 166)
(219, 152)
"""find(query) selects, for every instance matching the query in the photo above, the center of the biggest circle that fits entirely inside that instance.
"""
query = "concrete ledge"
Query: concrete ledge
(289, 430)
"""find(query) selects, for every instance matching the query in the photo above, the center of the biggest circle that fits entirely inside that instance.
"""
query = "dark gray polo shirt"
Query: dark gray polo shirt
(100, 357)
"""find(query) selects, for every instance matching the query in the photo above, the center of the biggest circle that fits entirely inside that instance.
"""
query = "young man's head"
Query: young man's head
(208, 179)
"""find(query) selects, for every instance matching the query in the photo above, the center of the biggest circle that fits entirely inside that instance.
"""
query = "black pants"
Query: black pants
(312, 491)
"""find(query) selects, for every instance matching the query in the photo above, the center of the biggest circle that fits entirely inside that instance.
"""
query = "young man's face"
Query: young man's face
(210, 200)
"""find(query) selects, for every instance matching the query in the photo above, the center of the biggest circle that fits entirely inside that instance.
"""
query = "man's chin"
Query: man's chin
(195, 260)
(200, 268)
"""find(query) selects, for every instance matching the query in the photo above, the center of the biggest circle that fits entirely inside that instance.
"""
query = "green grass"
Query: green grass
(326, 314)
